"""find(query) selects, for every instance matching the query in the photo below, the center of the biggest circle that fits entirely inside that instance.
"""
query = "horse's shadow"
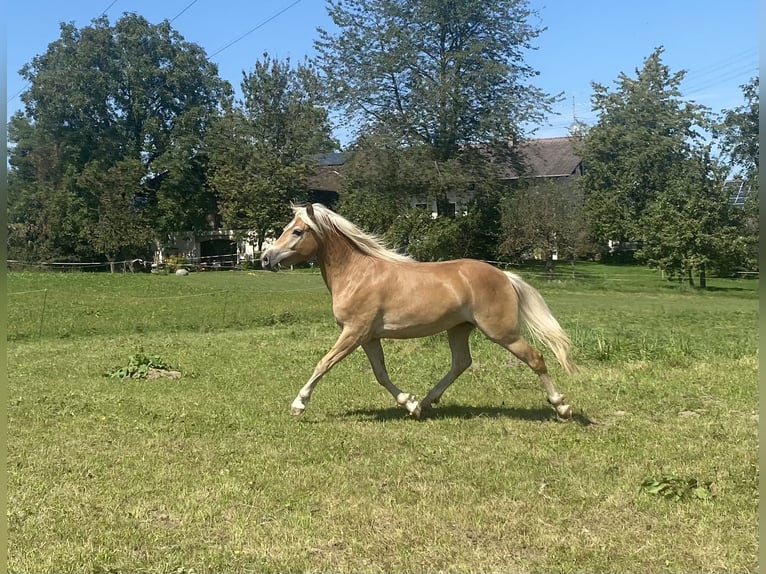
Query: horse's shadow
(541, 414)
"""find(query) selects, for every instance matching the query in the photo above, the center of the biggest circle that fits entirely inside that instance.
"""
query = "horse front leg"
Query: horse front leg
(344, 346)
(374, 351)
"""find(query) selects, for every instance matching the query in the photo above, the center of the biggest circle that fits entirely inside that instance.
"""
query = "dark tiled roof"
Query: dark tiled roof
(544, 157)
(336, 158)
(325, 177)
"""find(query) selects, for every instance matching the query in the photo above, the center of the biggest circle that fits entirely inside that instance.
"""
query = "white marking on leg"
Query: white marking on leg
(564, 411)
(346, 343)
(298, 406)
(409, 402)
(374, 352)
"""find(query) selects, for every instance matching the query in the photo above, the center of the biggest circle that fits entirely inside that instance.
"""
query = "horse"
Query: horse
(378, 293)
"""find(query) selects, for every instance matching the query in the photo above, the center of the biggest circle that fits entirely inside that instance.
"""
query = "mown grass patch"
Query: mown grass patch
(210, 473)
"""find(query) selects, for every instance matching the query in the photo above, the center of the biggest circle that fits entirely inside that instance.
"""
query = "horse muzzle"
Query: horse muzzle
(269, 261)
(272, 258)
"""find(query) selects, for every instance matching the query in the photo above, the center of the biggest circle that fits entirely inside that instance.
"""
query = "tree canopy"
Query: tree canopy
(644, 133)
(132, 93)
(650, 178)
(738, 131)
(263, 150)
(129, 136)
(443, 74)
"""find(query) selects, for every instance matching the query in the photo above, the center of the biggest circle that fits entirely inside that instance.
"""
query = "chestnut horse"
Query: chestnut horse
(378, 293)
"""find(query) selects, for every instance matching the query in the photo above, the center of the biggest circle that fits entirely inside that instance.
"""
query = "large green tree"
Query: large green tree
(644, 134)
(106, 94)
(263, 149)
(738, 131)
(444, 74)
(691, 226)
(427, 84)
(544, 218)
(650, 178)
(124, 224)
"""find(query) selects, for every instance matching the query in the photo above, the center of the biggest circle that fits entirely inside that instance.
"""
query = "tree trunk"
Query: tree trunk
(703, 277)
(690, 277)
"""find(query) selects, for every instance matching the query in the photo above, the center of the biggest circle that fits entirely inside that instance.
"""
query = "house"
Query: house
(219, 247)
(553, 158)
(325, 183)
(546, 157)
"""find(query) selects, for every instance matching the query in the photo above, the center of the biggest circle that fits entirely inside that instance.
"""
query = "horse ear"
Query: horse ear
(310, 211)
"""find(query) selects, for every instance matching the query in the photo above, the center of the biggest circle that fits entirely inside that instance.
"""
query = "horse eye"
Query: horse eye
(297, 232)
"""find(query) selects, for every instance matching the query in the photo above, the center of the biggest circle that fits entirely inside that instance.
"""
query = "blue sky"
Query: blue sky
(585, 41)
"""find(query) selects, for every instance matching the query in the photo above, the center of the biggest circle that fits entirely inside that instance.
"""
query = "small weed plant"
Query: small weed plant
(676, 488)
(138, 367)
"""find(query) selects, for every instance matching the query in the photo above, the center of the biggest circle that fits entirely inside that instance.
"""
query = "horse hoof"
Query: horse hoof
(296, 412)
(564, 412)
(416, 411)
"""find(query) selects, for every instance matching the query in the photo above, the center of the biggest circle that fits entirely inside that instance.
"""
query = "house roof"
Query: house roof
(335, 158)
(325, 177)
(544, 157)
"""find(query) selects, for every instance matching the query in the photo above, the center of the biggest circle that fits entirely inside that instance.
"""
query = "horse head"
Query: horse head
(297, 243)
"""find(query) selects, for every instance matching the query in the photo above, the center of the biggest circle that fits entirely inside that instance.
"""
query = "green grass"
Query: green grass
(209, 473)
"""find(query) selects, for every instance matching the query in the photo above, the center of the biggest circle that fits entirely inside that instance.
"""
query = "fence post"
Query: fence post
(223, 313)
(42, 315)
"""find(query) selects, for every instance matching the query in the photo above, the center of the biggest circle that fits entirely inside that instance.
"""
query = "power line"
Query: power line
(105, 10)
(261, 25)
(189, 5)
(726, 62)
(725, 78)
(17, 94)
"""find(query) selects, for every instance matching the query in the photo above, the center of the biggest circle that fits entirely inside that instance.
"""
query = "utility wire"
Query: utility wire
(700, 86)
(189, 5)
(104, 11)
(726, 62)
(262, 24)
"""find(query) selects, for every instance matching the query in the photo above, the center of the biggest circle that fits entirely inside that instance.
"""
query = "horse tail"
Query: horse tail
(535, 313)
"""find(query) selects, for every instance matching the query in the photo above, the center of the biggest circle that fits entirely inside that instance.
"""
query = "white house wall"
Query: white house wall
(189, 245)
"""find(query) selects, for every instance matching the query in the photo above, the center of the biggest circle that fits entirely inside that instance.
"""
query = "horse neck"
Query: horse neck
(337, 258)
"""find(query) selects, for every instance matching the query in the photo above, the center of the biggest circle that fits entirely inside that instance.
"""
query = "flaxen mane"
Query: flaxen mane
(326, 221)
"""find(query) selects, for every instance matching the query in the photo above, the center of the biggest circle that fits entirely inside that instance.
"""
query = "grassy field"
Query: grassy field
(210, 473)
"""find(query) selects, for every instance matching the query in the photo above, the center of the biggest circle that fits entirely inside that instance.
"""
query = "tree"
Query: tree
(643, 137)
(738, 131)
(444, 74)
(124, 225)
(691, 225)
(545, 218)
(263, 150)
(739, 134)
(102, 95)
(429, 84)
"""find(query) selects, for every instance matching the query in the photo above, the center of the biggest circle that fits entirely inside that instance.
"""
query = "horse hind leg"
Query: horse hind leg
(534, 359)
(461, 360)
